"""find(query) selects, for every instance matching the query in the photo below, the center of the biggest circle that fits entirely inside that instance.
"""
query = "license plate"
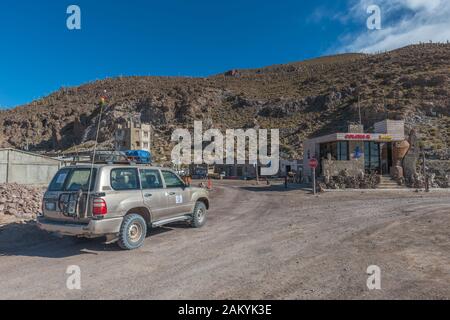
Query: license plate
(50, 206)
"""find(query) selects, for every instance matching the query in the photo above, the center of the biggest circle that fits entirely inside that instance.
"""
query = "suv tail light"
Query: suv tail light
(99, 207)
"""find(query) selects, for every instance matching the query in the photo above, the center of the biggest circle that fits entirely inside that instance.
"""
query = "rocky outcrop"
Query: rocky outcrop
(22, 202)
(301, 99)
(439, 173)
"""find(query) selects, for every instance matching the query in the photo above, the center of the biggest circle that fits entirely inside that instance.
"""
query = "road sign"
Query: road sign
(313, 163)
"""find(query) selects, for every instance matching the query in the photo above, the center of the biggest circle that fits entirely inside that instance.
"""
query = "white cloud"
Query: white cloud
(422, 4)
(403, 21)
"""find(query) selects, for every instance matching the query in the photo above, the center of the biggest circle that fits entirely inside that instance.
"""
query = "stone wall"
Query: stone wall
(333, 168)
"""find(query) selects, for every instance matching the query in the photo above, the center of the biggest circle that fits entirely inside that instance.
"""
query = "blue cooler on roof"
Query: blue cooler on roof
(140, 156)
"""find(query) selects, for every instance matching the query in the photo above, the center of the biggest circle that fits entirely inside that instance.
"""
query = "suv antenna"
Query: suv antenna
(102, 104)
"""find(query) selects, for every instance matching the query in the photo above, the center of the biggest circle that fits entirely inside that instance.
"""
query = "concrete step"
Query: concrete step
(389, 183)
(390, 187)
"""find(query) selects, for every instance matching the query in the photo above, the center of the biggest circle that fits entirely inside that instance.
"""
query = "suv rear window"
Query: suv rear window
(72, 180)
(124, 179)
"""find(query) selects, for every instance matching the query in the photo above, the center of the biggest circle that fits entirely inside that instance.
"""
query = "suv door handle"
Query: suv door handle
(172, 193)
(147, 195)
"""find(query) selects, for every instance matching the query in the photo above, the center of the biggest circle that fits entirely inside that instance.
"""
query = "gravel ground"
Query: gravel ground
(259, 243)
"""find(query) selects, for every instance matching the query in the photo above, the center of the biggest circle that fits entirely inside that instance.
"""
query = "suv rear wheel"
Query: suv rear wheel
(199, 215)
(132, 232)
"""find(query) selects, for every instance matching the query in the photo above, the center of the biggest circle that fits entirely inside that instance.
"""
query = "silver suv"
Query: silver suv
(124, 201)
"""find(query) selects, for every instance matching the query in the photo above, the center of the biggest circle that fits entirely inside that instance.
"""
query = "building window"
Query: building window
(343, 151)
(145, 134)
(337, 150)
(138, 144)
(146, 145)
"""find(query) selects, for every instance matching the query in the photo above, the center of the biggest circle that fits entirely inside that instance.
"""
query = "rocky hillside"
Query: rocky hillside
(301, 99)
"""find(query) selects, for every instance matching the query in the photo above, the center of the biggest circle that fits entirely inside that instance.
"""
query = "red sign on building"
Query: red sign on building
(357, 136)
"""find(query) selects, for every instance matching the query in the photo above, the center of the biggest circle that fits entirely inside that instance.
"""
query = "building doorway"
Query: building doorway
(288, 169)
(372, 157)
(386, 158)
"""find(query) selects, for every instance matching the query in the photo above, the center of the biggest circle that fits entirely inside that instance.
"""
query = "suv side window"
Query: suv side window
(151, 179)
(124, 179)
(172, 180)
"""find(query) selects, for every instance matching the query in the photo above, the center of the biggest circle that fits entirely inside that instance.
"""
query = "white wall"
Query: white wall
(25, 168)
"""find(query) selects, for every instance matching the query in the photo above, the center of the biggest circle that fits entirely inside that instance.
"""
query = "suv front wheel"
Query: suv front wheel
(199, 215)
(132, 232)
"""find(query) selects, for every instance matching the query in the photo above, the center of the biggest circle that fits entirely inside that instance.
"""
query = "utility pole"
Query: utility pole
(314, 181)
(425, 175)
(384, 105)
(359, 109)
(257, 172)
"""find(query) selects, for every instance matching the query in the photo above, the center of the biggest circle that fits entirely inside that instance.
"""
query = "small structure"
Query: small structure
(133, 135)
(290, 166)
(237, 171)
(27, 168)
(357, 152)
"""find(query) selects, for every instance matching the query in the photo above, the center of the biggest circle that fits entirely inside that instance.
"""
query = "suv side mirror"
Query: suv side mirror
(187, 182)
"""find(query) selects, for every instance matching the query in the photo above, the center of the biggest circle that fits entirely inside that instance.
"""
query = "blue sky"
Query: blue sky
(38, 54)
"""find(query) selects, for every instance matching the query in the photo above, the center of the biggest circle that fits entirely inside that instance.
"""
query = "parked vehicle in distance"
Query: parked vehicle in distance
(124, 201)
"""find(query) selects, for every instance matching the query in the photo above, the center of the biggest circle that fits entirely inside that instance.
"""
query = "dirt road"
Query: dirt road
(259, 243)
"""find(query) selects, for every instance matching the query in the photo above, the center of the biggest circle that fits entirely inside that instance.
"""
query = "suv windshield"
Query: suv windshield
(72, 180)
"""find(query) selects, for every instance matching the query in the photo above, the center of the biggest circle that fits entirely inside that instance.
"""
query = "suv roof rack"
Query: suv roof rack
(109, 157)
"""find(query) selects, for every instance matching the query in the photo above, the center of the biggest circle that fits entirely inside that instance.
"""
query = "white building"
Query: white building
(356, 150)
(133, 136)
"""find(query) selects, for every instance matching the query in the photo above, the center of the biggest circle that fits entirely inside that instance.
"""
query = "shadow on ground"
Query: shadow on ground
(25, 239)
(278, 188)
